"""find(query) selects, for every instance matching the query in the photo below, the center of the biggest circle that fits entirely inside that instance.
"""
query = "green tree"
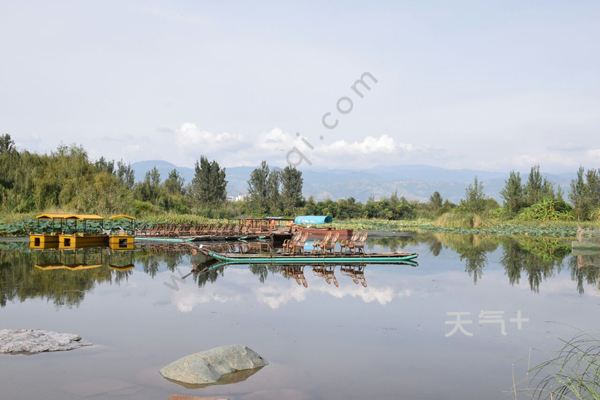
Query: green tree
(537, 187)
(103, 165)
(436, 201)
(126, 174)
(475, 200)
(257, 187)
(273, 195)
(174, 183)
(209, 185)
(150, 188)
(291, 192)
(592, 178)
(7, 145)
(579, 195)
(513, 193)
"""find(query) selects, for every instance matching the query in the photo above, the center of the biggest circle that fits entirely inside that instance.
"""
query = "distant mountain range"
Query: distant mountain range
(411, 181)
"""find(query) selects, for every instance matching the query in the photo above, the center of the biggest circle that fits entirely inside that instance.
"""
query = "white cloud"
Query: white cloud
(189, 138)
(370, 145)
(276, 295)
(593, 153)
(186, 298)
(275, 140)
(368, 294)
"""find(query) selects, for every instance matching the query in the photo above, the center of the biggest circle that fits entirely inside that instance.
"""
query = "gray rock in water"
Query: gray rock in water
(215, 366)
(32, 341)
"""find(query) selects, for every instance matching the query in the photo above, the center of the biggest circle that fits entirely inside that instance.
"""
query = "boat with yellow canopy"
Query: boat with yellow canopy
(90, 234)
(123, 237)
(47, 231)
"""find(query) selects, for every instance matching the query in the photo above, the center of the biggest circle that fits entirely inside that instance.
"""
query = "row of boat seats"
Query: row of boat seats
(177, 230)
(326, 245)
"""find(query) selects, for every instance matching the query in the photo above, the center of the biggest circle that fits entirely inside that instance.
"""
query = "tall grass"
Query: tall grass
(574, 371)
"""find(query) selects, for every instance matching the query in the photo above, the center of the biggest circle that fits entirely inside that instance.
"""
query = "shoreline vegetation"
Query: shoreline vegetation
(66, 180)
(20, 225)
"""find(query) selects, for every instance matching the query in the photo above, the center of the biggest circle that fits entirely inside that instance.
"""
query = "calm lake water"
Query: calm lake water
(376, 335)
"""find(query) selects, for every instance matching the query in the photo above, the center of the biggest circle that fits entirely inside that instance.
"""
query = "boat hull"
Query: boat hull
(389, 258)
(81, 240)
(43, 241)
(125, 242)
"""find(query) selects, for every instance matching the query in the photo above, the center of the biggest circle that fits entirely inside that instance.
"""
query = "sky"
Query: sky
(466, 84)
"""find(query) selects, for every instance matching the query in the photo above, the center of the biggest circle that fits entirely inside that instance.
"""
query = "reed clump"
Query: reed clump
(573, 372)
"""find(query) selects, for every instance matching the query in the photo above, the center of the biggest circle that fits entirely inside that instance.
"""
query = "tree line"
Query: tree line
(66, 179)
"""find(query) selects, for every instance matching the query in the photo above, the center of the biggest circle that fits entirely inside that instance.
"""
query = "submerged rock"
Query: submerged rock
(32, 341)
(222, 365)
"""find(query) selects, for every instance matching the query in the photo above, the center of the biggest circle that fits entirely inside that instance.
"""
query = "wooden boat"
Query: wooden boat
(85, 238)
(47, 240)
(282, 258)
(125, 238)
(319, 233)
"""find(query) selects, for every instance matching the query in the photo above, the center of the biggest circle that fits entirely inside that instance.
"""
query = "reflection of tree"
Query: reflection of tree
(205, 274)
(60, 279)
(473, 250)
(537, 257)
(588, 273)
(20, 280)
(261, 271)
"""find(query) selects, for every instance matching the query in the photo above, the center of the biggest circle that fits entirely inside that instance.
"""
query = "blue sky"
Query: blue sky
(464, 84)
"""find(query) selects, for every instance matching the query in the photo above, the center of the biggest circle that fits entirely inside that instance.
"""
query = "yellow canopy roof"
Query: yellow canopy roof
(84, 217)
(53, 216)
(122, 216)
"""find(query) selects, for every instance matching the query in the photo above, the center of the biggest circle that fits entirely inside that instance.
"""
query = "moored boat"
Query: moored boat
(124, 236)
(89, 236)
(310, 258)
(319, 233)
(47, 231)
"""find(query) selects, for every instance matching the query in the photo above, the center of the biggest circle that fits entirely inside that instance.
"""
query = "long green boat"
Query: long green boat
(310, 258)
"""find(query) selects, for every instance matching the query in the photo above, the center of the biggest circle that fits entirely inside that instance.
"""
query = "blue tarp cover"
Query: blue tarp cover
(313, 219)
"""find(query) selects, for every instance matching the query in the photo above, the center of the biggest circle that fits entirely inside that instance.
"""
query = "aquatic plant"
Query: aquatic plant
(573, 373)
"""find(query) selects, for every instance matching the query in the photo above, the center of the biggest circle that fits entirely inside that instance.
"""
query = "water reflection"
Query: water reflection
(536, 259)
(63, 277)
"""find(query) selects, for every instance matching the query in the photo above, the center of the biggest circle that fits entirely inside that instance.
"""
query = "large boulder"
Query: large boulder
(222, 365)
(32, 341)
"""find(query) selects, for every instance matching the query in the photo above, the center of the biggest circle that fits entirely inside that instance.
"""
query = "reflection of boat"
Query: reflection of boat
(123, 268)
(356, 272)
(281, 258)
(326, 272)
(73, 267)
(296, 272)
(84, 258)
